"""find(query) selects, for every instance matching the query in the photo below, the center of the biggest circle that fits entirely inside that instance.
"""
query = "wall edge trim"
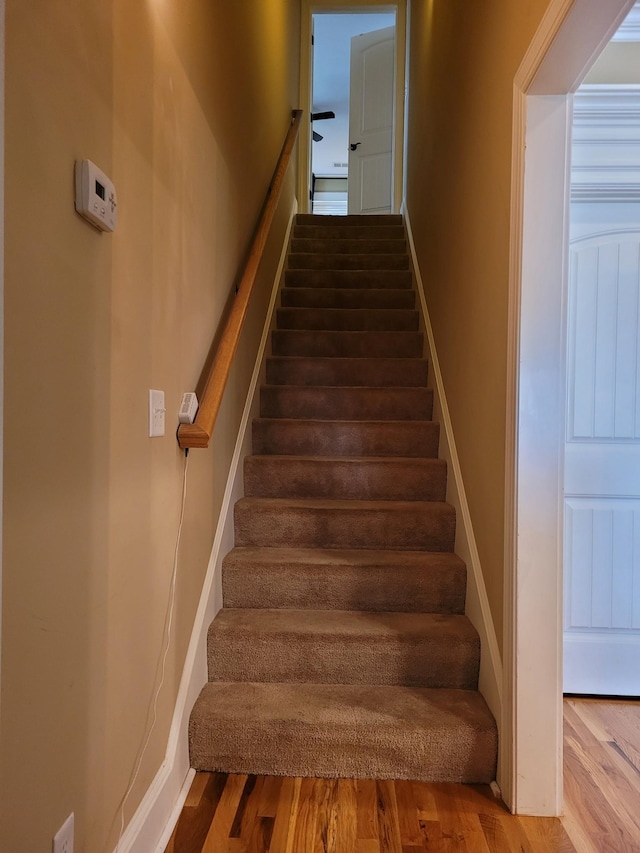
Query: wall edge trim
(158, 812)
(478, 609)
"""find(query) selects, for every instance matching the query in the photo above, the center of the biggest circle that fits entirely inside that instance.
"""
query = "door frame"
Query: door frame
(307, 10)
(571, 35)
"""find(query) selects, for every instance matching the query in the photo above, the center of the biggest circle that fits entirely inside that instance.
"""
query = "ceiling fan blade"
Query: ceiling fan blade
(320, 116)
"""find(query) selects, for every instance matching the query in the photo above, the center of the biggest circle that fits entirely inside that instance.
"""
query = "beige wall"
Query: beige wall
(184, 103)
(463, 58)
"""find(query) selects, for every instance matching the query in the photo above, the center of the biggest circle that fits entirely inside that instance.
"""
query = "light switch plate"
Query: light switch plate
(156, 413)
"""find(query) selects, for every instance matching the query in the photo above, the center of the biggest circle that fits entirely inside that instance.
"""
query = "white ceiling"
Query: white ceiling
(332, 46)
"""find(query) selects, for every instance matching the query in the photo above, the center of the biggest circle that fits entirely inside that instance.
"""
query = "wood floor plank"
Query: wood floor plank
(424, 801)
(347, 817)
(196, 790)
(463, 816)
(547, 835)
(326, 791)
(222, 820)
(388, 826)
(609, 772)
(367, 809)
(287, 806)
(193, 824)
(304, 834)
(270, 796)
(236, 827)
(596, 814)
(410, 834)
(368, 845)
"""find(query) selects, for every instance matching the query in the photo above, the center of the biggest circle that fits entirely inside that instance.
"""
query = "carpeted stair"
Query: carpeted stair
(342, 648)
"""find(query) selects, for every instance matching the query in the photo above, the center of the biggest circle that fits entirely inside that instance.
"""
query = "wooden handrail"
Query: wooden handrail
(213, 382)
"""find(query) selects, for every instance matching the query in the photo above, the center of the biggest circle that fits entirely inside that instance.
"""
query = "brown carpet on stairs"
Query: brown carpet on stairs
(342, 648)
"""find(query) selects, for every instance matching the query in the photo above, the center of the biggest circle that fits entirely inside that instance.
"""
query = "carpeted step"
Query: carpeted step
(360, 279)
(372, 372)
(316, 523)
(330, 297)
(353, 731)
(357, 219)
(350, 232)
(334, 579)
(348, 245)
(342, 628)
(343, 647)
(343, 478)
(349, 319)
(326, 344)
(328, 261)
(357, 404)
(345, 438)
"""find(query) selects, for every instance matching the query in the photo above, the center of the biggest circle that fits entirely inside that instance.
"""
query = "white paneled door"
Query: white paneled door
(371, 109)
(602, 467)
(602, 449)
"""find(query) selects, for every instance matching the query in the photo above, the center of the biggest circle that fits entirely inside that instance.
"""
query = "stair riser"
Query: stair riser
(310, 261)
(328, 659)
(351, 279)
(362, 246)
(348, 319)
(367, 480)
(380, 373)
(352, 232)
(357, 219)
(303, 438)
(325, 297)
(405, 527)
(336, 587)
(327, 344)
(358, 404)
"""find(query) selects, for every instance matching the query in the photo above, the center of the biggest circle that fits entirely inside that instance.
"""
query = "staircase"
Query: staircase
(342, 648)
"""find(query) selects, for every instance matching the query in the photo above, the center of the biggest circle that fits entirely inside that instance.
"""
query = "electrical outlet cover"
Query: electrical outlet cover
(63, 839)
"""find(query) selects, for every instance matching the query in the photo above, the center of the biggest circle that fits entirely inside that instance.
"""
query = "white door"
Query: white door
(602, 468)
(602, 449)
(371, 122)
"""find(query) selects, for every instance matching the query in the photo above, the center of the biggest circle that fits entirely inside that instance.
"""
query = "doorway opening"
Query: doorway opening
(570, 37)
(337, 114)
(602, 441)
(332, 174)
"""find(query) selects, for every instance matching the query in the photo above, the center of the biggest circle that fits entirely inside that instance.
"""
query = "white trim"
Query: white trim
(570, 36)
(2, 86)
(153, 817)
(175, 814)
(477, 604)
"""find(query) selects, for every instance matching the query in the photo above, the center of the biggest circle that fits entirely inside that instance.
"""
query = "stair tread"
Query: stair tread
(362, 731)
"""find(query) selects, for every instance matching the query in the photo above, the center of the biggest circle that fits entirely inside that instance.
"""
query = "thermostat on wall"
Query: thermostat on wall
(95, 196)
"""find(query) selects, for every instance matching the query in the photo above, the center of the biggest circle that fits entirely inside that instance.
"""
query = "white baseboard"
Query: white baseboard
(477, 607)
(152, 824)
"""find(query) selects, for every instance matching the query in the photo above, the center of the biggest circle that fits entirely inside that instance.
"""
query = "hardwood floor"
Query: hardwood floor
(265, 814)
